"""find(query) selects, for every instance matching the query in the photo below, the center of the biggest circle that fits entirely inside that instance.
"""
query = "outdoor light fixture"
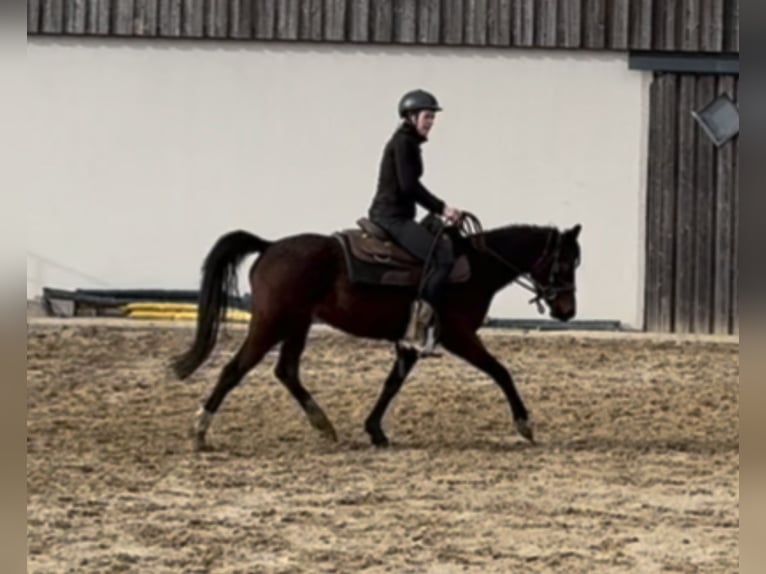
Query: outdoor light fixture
(719, 119)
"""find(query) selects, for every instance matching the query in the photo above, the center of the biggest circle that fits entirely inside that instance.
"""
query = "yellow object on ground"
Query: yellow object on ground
(161, 307)
(176, 312)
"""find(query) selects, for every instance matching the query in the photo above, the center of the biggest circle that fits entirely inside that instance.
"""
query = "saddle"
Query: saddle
(372, 258)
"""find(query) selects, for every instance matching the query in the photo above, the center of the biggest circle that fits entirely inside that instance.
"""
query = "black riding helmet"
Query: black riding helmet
(417, 100)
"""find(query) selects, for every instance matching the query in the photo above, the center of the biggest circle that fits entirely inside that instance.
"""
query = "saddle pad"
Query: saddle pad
(372, 271)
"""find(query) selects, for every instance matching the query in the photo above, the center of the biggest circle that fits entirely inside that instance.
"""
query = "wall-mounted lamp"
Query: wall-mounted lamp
(719, 119)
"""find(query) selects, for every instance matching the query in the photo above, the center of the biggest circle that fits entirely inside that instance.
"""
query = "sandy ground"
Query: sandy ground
(636, 469)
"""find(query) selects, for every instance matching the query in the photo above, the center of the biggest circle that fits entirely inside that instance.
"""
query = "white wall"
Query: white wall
(143, 153)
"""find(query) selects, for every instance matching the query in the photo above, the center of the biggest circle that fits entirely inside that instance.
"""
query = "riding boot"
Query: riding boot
(429, 346)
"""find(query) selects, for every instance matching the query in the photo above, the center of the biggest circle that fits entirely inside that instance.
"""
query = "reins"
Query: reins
(471, 228)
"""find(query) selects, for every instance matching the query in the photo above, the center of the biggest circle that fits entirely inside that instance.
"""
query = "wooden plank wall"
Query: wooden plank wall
(692, 220)
(665, 25)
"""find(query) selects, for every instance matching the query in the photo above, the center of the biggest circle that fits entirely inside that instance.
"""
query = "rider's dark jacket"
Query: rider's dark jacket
(399, 188)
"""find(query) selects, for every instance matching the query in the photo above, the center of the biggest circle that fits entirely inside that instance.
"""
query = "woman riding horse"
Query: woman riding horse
(393, 208)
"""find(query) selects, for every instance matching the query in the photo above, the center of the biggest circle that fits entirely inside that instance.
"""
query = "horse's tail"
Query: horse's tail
(218, 280)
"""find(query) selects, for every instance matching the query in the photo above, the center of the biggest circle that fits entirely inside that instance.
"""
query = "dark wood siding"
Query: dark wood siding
(663, 25)
(692, 220)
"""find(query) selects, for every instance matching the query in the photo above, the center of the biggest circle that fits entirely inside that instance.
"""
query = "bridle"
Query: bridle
(471, 228)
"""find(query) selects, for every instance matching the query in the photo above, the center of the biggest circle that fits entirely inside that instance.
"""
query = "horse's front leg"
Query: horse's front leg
(405, 360)
(466, 344)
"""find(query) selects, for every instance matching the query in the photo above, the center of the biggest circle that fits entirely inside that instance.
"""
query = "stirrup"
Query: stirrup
(420, 335)
(429, 347)
(425, 347)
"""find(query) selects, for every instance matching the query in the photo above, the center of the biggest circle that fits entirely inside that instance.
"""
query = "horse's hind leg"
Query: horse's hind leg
(288, 372)
(258, 342)
(405, 360)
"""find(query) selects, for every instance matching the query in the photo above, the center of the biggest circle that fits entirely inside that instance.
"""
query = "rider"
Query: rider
(394, 207)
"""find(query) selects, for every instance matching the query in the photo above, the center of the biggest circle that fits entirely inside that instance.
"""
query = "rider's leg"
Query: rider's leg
(418, 241)
(424, 325)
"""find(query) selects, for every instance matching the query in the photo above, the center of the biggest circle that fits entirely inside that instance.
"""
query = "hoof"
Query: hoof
(200, 444)
(376, 434)
(199, 430)
(324, 426)
(525, 429)
(329, 432)
(380, 441)
(319, 420)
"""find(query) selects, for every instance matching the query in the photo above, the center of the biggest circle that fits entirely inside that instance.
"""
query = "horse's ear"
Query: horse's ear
(575, 231)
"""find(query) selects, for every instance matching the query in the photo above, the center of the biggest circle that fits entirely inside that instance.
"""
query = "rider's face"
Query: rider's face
(423, 121)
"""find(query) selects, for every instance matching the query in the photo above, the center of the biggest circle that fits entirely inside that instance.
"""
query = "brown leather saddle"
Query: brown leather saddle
(373, 258)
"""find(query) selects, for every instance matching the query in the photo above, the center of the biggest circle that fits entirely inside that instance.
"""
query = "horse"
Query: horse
(361, 283)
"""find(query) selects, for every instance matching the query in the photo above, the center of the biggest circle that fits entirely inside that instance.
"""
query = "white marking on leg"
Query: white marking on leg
(203, 420)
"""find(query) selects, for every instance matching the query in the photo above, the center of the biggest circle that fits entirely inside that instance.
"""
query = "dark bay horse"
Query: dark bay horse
(304, 277)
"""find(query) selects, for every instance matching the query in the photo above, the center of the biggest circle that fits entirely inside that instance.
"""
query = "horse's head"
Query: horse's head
(554, 273)
(518, 249)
